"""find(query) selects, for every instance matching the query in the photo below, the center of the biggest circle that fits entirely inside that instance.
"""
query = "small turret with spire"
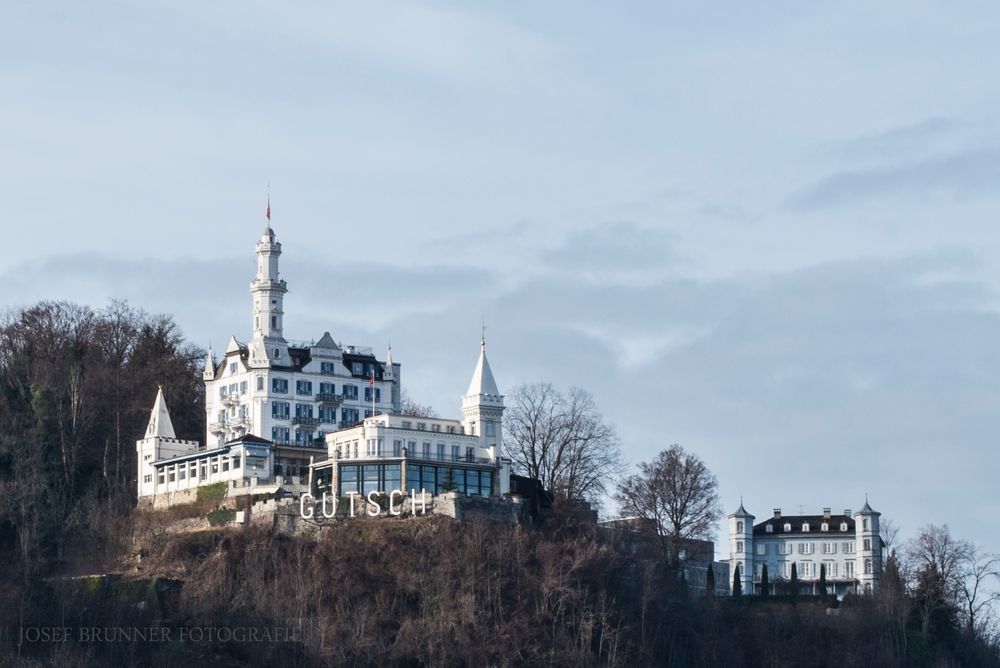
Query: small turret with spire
(209, 372)
(482, 405)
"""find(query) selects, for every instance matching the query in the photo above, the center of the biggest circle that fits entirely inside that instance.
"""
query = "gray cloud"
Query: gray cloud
(901, 141)
(965, 174)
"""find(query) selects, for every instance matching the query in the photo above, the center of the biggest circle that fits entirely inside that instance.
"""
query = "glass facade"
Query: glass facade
(440, 479)
(378, 477)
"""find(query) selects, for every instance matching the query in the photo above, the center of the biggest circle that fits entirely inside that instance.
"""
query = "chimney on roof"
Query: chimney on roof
(826, 513)
(847, 511)
(777, 513)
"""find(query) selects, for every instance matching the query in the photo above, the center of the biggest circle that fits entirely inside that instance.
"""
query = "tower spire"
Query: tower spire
(159, 418)
(267, 211)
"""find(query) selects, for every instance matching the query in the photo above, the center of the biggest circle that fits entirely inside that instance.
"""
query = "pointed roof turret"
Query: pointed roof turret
(482, 378)
(867, 510)
(159, 418)
(209, 372)
(390, 372)
(741, 511)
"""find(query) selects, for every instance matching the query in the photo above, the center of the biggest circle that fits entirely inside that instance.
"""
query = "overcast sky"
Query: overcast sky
(765, 231)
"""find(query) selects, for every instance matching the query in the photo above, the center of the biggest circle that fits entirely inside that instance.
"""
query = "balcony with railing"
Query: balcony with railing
(217, 427)
(329, 398)
(305, 421)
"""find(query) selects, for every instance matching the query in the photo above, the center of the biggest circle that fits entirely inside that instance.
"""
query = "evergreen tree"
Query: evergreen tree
(793, 582)
(764, 584)
(710, 581)
(822, 579)
(737, 582)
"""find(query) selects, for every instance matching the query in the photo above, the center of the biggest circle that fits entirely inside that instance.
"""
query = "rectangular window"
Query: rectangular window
(427, 450)
(456, 452)
(279, 410)
(182, 473)
(304, 387)
(328, 414)
(280, 435)
(397, 448)
(326, 368)
(260, 382)
(739, 546)
(440, 451)
(470, 454)
(236, 462)
(327, 388)
(243, 387)
(489, 428)
(303, 410)
(868, 544)
(406, 424)
(849, 569)
(159, 477)
(225, 464)
(349, 392)
(761, 548)
(233, 366)
(279, 385)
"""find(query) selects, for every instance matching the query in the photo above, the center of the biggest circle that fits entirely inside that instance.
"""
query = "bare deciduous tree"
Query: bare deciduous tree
(936, 559)
(679, 493)
(411, 408)
(976, 570)
(562, 440)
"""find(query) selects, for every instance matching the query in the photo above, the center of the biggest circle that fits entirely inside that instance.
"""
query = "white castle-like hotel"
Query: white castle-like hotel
(280, 416)
(846, 548)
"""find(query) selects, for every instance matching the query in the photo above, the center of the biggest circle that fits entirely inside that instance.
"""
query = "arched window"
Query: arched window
(739, 527)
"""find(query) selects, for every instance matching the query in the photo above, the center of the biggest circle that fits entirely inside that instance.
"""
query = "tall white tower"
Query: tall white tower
(482, 405)
(268, 291)
(741, 547)
(868, 566)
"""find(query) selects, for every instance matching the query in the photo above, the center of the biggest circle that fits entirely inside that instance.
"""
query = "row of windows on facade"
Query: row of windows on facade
(807, 548)
(325, 368)
(384, 478)
(201, 469)
(310, 437)
(810, 569)
(374, 448)
(281, 410)
(303, 388)
(769, 528)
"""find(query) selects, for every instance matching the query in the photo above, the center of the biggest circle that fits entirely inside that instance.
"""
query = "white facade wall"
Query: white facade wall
(850, 550)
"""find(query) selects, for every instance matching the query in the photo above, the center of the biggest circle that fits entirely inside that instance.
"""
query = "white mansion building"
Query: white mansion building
(274, 408)
(847, 546)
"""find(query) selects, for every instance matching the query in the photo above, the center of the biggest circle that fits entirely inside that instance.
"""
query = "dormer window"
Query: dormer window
(843, 526)
(805, 526)
(788, 526)
(769, 528)
(824, 527)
